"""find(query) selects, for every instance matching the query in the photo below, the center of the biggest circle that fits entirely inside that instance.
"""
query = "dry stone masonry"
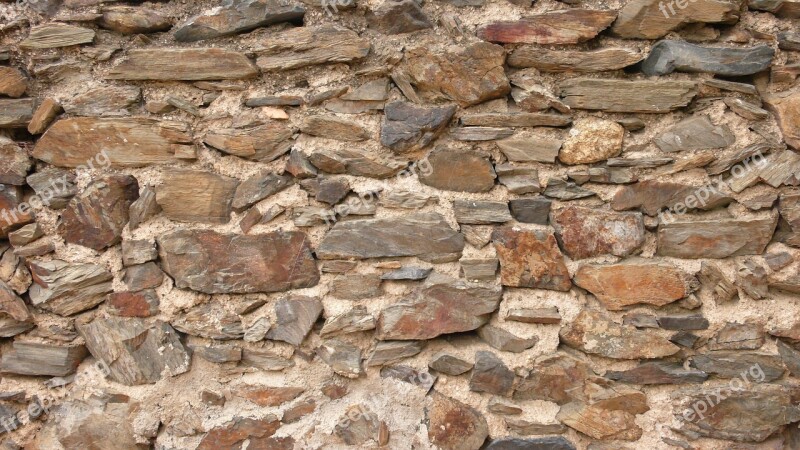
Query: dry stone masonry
(400, 224)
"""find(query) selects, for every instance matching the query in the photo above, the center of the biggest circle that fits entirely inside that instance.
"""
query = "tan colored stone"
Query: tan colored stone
(592, 140)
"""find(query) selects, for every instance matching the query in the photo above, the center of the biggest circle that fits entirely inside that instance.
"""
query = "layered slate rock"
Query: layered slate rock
(307, 46)
(467, 75)
(573, 61)
(668, 56)
(244, 431)
(398, 17)
(426, 235)
(66, 288)
(635, 282)
(32, 358)
(452, 425)
(237, 16)
(261, 143)
(55, 35)
(210, 320)
(559, 378)
(15, 164)
(294, 318)
(442, 306)
(14, 315)
(332, 127)
(569, 26)
(131, 20)
(593, 333)
(644, 96)
(407, 127)
(259, 187)
(356, 162)
(609, 413)
(123, 142)
(695, 133)
(530, 259)
(786, 109)
(683, 237)
(652, 196)
(210, 262)
(543, 443)
(652, 19)
(657, 372)
(16, 113)
(491, 375)
(104, 101)
(731, 364)
(768, 408)
(183, 64)
(585, 232)
(195, 196)
(457, 170)
(133, 351)
(97, 216)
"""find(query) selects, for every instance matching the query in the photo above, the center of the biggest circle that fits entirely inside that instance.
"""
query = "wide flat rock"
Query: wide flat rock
(569, 26)
(644, 96)
(183, 64)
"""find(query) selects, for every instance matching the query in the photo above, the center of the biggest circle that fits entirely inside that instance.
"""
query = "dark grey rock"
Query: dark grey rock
(668, 56)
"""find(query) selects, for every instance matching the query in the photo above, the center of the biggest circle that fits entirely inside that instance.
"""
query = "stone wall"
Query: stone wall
(266, 224)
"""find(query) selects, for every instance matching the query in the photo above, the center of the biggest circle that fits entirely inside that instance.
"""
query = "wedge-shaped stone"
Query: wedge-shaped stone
(652, 196)
(721, 238)
(426, 235)
(452, 425)
(344, 358)
(54, 35)
(308, 46)
(442, 306)
(210, 320)
(210, 262)
(128, 142)
(787, 113)
(183, 64)
(356, 319)
(767, 408)
(592, 332)
(467, 75)
(695, 133)
(96, 217)
(195, 196)
(12, 82)
(573, 61)
(457, 170)
(407, 127)
(67, 288)
(569, 26)
(612, 416)
(14, 315)
(237, 16)
(389, 352)
(262, 143)
(356, 162)
(259, 187)
(16, 113)
(642, 96)
(585, 232)
(668, 56)
(31, 358)
(504, 340)
(294, 317)
(134, 351)
(635, 282)
(530, 259)
(657, 372)
(491, 375)
(652, 19)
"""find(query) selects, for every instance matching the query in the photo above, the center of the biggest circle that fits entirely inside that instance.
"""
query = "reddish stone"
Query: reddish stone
(233, 434)
(133, 304)
(586, 232)
(530, 259)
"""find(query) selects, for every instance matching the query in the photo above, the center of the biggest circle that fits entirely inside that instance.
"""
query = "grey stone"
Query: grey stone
(668, 56)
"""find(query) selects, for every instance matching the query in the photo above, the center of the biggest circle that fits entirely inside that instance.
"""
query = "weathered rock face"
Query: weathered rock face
(649, 19)
(584, 232)
(668, 56)
(96, 217)
(467, 76)
(593, 333)
(194, 196)
(635, 282)
(68, 289)
(592, 140)
(569, 26)
(129, 20)
(123, 142)
(295, 316)
(695, 133)
(653, 196)
(627, 96)
(261, 143)
(684, 238)
(237, 16)
(785, 108)
(56, 35)
(407, 128)
(30, 358)
(133, 351)
(187, 64)
(530, 259)
(426, 235)
(307, 46)
(442, 306)
(398, 17)
(454, 170)
(210, 262)
(573, 61)
(453, 425)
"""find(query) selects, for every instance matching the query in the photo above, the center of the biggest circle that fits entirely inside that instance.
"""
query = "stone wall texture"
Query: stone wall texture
(401, 224)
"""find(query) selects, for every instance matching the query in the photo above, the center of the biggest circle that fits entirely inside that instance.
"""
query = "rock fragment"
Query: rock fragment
(491, 375)
(295, 316)
(407, 127)
(570, 26)
(36, 359)
(481, 212)
(452, 425)
(307, 46)
(585, 233)
(263, 143)
(668, 56)
(695, 133)
(605, 59)
(650, 19)
(183, 64)
(66, 288)
(56, 35)
(455, 170)
(692, 239)
(592, 140)
(237, 16)
(530, 259)
(505, 341)
(398, 17)
(196, 196)
(645, 96)
(449, 364)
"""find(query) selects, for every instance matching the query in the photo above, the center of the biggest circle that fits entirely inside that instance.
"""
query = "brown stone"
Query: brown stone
(307, 46)
(639, 96)
(467, 75)
(695, 133)
(649, 19)
(133, 304)
(240, 431)
(491, 375)
(452, 425)
(573, 61)
(236, 17)
(635, 282)
(356, 162)
(128, 142)
(187, 64)
(593, 333)
(557, 378)
(359, 426)
(786, 109)
(549, 315)
(266, 396)
(55, 35)
(344, 358)
(32, 358)
(47, 111)
(481, 212)
(68, 288)
(351, 321)
(205, 261)
(585, 233)
(530, 259)
(569, 26)
(731, 364)
(592, 140)
(14, 164)
(195, 196)
(16, 113)
(443, 305)
(262, 143)
(657, 372)
(210, 320)
(259, 187)
(96, 217)
(456, 170)
(132, 20)
(652, 196)
(609, 419)
(407, 127)
(294, 317)
(356, 286)
(398, 17)
(12, 82)
(390, 352)
(504, 340)
(331, 127)
(720, 238)
(143, 276)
